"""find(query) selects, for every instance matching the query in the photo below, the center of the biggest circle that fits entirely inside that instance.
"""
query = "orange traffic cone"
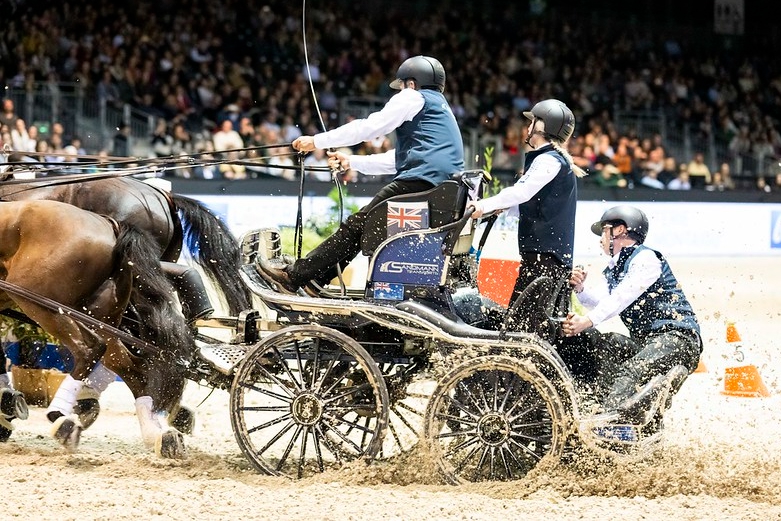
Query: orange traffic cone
(701, 367)
(732, 334)
(743, 380)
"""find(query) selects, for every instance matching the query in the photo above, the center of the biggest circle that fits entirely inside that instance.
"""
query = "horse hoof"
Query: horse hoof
(67, 431)
(13, 404)
(170, 445)
(183, 420)
(5, 428)
(87, 410)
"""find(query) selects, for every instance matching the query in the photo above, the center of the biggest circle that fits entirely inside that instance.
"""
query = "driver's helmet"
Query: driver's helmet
(425, 70)
(634, 219)
(558, 118)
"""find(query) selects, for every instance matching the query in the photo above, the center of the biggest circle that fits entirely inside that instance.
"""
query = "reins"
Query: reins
(157, 165)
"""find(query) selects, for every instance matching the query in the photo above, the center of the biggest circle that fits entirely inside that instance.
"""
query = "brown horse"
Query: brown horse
(172, 219)
(71, 271)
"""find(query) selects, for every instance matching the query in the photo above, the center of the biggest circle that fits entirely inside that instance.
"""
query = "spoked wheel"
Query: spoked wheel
(493, 419)
(306, 399)
(409, 397)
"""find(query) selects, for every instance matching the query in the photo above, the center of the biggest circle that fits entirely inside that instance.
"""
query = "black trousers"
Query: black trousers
(613, 367)
(534, 265)
(344, 244)
(659, 353)
(595, 359)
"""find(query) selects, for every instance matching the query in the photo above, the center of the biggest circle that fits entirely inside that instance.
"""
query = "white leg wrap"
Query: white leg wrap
(150, 426)
(100, 377)
(65, 396)
(5, 382)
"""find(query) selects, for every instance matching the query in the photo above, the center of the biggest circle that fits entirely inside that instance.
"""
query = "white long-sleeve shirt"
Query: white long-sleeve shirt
(541, 172)
(401, 107)
(644, 269)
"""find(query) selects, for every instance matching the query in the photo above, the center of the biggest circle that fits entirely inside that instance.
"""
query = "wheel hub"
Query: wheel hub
(493, 429)
(307, 409)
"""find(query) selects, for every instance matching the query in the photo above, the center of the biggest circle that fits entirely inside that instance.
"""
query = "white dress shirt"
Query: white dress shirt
(644, 269)
(401, 107)
(541, 172)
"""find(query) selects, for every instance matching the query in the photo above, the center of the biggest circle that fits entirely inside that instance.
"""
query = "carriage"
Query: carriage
(414, 359)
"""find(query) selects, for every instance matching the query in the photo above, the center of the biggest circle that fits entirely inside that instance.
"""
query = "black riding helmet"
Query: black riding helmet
(425, 70)
(634, 219)
(558, 118)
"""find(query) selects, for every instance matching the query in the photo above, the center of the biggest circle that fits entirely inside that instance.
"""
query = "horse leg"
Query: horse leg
(87, 406)
(87, 348)
(66, 426)
(12, 402)
(182, 419)
(167, 443)
(191, 290)
(12, 405)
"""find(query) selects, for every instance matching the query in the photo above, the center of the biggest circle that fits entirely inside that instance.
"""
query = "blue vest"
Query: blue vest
(663, 306)
(547, 220)
(430, 148)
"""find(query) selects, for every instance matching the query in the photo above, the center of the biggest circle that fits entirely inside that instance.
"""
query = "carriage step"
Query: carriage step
(223, 357)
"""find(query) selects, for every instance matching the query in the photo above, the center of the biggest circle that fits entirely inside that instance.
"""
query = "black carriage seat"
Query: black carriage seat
(446, 204)
(540, 308)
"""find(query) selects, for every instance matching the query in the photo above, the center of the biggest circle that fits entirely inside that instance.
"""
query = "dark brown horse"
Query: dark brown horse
(71, 271)
(172, 219)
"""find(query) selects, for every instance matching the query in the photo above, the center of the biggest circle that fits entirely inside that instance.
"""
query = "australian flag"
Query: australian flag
(406, 216)
(388, 291)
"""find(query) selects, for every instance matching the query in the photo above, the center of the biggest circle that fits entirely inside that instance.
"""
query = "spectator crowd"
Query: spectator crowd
(221, 77)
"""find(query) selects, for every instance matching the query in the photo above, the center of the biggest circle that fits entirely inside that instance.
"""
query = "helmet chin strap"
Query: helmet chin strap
(612, 241)
(532, 133)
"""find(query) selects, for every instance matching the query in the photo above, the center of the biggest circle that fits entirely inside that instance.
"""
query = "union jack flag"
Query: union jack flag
(406, 216)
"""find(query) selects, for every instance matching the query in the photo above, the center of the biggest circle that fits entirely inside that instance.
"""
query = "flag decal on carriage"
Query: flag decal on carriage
(406, 216)
(388, 291)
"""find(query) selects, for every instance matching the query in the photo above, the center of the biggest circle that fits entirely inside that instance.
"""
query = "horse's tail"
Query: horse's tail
(160, 322)
(216, 251)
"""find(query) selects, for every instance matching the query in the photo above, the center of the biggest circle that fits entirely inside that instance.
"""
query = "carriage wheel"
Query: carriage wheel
(493, 418)
(306, 399)
(409, 397)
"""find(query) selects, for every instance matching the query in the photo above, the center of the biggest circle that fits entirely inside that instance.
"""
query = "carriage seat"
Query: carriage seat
(446, 204)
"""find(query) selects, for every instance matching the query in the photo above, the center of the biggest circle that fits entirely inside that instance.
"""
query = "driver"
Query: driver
(639, 286)
(429, 150)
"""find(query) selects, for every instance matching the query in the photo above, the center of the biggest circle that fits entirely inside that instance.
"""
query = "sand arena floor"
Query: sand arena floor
(721, 458)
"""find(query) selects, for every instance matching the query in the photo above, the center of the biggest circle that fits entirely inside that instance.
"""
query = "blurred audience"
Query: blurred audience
(201, 64)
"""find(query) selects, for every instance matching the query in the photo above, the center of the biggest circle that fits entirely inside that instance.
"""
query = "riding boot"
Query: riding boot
(623, 388)
(192, 292)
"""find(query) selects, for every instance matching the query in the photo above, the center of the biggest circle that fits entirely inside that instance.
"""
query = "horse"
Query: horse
(75, 273)
(172, 219)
